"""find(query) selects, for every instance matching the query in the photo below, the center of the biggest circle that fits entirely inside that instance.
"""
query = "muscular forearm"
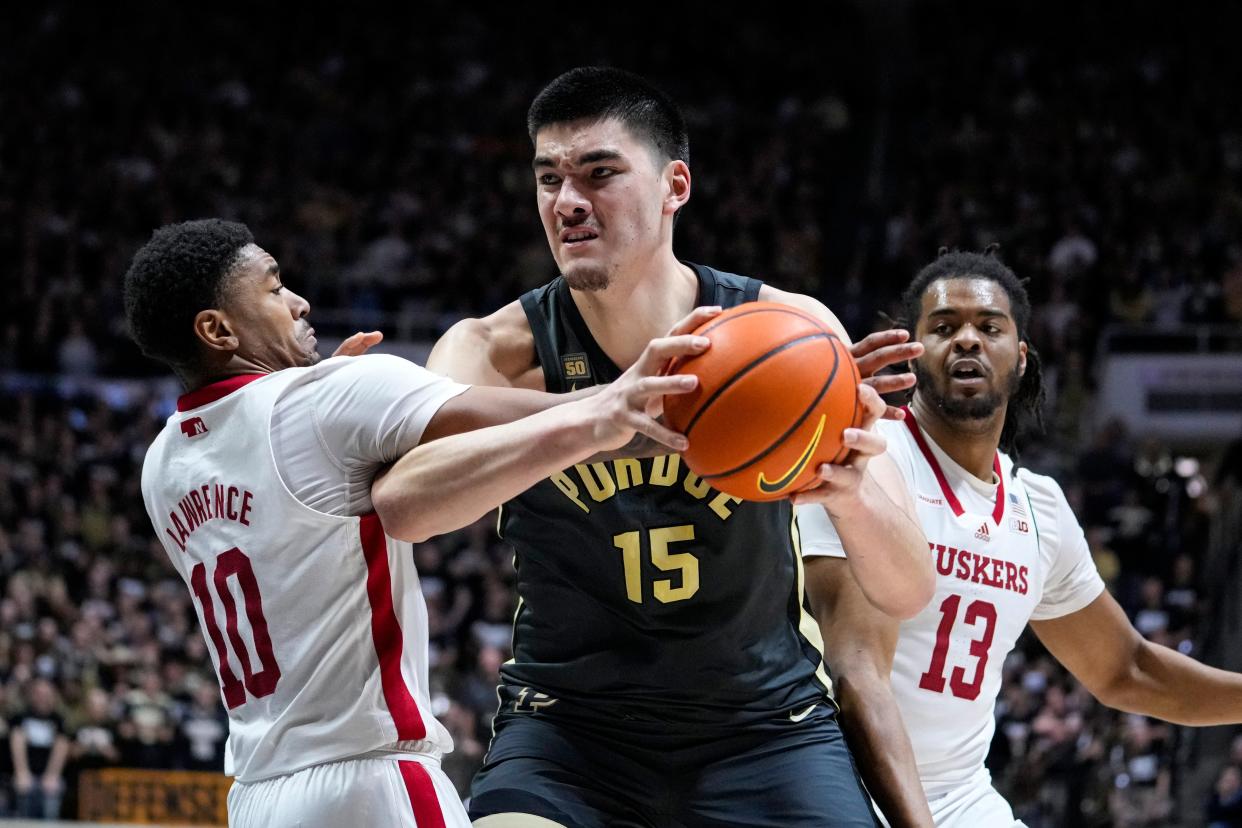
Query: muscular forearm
(877, 737)
(887, 551)
(1168, 685)
(453, 481)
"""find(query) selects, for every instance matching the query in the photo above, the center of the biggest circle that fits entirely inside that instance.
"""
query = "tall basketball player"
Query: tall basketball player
(664, 671)
(1008, 552)
(260, 488)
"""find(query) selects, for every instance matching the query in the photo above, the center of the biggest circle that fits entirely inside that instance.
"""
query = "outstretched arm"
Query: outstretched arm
(873, 514)
(859, 642)
(1124, 670)
(446, 483)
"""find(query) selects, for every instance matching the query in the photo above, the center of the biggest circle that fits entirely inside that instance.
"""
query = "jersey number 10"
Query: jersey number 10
(262, 683)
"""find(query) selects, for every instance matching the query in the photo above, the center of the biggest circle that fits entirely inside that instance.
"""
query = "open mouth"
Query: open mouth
(577, 238)
(967, 371)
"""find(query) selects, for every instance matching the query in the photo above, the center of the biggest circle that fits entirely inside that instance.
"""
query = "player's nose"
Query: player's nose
(571, 202)
(298, 306)
(967, 339)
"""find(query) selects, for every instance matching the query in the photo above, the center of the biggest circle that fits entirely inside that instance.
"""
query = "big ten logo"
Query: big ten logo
(575, 366)
(1019, 525)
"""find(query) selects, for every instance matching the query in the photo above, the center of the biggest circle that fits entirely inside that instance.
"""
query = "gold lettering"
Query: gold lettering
(722, 504)
(599, 489)
(626, 471)
(696, 485)
(664, 469)
(684, 562)
(569, 489)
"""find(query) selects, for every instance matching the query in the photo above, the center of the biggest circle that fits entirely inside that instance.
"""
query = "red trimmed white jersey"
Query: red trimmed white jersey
(315, 621)
(1006, 552)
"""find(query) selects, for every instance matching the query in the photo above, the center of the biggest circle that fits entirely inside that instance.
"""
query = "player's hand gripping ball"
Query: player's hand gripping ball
(776, 390)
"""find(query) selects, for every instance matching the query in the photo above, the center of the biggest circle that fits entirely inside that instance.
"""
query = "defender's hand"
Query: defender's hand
(359, 344)
(839, 483)
(633, 404)
(879, 350)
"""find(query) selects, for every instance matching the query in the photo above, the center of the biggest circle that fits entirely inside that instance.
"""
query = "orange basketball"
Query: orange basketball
(776, 390)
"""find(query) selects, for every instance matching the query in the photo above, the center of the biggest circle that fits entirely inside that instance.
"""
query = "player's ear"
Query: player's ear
(677, 186)
(1021, 358)
(213, 328)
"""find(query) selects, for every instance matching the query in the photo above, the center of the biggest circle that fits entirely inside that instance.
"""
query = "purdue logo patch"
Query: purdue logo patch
(575, 367)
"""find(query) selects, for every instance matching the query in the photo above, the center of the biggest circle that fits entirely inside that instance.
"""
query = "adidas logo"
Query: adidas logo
(982, 533)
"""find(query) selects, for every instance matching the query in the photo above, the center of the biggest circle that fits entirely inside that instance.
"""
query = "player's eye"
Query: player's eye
(603, 172)
(942, 329)
(549, 180)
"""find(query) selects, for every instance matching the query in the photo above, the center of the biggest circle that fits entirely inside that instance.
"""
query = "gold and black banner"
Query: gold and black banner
(154, 797)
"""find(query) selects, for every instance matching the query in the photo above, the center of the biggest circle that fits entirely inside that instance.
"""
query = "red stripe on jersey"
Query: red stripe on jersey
(998, 511)
(423, 799)
(213, 392)
(386, 631)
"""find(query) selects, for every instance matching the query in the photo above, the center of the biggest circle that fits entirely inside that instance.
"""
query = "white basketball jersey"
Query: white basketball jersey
(1005, 553)
(315, 623)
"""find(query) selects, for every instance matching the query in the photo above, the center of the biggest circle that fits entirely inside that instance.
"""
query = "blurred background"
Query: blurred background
(382, 158)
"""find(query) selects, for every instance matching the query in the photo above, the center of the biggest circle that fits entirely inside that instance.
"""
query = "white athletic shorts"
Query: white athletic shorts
(354, 793)
(976, 804)
(973, 805)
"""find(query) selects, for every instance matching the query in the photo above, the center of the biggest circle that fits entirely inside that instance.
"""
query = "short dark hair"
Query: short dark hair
(182, 270)
(1026, 405)
(599, 92)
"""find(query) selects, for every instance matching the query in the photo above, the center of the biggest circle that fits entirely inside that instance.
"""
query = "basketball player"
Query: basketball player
(260, 489)
(1007, 550)
(664, 671)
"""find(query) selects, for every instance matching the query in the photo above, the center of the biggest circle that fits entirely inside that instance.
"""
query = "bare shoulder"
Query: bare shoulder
(810, 304)
(498, 349)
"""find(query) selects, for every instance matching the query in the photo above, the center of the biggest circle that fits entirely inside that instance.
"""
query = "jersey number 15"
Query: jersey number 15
(658, 541)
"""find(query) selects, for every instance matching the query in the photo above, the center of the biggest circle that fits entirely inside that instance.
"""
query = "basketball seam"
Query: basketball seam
(783, 309)
(840, 455)
(745, 369)
(798, 424)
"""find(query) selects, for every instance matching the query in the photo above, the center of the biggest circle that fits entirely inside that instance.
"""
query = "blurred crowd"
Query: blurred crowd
(385, 164)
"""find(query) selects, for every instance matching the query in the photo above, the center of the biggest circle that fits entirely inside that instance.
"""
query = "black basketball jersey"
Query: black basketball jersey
(642, 589)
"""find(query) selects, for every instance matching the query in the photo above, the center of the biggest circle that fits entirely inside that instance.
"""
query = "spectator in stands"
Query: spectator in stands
(39, 748)
(1224, 807)
(95, 743)
(202, 730)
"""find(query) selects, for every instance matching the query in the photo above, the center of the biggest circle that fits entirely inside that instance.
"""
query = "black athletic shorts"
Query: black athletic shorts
(552, 761)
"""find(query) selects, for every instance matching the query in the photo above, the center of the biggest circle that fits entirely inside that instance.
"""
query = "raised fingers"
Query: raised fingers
(696, 317)
(863, 442)
(659, 351)
(663, 386)
(873, 360)
(873, 406)
(658, 432)
(890, 383)
(358, 344)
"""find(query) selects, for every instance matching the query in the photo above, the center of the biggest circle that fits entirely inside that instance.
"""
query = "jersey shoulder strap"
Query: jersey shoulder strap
(561, 352)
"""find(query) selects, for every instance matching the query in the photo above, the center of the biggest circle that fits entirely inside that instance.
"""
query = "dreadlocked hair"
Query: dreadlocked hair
(1025, 409)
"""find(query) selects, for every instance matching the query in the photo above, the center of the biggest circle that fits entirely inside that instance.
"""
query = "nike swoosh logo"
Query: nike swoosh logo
(573, 388)
(797, 717)
(771, 486)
